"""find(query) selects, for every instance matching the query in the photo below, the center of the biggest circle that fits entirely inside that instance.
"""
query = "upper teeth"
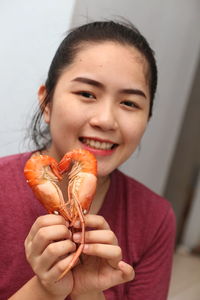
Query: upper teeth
(97, 144)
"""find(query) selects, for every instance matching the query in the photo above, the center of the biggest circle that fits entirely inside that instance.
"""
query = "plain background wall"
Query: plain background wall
(30, 33)
(191, 236)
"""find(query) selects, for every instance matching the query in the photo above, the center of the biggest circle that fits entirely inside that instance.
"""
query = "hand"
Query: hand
(48, 247)
(102, 266)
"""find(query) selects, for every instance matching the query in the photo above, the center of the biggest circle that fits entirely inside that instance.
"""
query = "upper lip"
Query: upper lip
(94, 138)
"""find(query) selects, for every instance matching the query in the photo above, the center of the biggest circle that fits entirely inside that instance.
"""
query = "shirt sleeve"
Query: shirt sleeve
(152, 272)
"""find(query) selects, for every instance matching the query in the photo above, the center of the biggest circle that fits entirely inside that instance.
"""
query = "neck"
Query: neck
(103, 184)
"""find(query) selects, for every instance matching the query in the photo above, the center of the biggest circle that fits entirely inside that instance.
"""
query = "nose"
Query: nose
(104, 118)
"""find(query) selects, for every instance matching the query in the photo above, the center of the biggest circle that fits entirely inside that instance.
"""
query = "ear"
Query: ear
(42, 93)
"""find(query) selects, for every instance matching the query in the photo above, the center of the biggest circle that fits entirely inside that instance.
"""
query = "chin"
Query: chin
(102, 172)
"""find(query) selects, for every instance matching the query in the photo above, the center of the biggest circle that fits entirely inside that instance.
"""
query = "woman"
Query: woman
(98, 96)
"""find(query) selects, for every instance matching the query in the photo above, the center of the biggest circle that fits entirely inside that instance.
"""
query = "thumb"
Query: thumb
(127, 270)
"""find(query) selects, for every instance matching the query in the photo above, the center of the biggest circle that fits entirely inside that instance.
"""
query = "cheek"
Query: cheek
(67, 118)
(134, 131)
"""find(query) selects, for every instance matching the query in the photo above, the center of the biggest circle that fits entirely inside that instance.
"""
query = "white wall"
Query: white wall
(30, 32)
(191, 236)
(172, 28)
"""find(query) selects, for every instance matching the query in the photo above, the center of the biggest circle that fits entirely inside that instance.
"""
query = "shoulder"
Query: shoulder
(12, 164)
(14, 158)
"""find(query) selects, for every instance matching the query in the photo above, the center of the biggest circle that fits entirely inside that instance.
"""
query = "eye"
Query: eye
(130, 104)
(86, 94)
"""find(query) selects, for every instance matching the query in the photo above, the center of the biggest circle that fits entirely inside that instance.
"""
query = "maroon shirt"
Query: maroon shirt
(143, 222)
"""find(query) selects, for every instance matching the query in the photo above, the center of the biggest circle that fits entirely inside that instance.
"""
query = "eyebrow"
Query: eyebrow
(89, 81)
(101, 85)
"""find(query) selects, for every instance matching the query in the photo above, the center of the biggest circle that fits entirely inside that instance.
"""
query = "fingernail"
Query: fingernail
(86, 246)
(76, 237)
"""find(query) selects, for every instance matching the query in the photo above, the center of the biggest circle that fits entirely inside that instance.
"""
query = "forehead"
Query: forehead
(94, 55)
(108, 48)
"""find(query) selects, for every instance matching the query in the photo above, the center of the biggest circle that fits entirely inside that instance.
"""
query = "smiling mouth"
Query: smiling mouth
(96, 144)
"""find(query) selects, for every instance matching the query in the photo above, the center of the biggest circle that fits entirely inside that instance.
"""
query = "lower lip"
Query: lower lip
(98, 151)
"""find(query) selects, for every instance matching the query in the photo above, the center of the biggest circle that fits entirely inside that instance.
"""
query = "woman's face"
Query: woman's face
(101, 103)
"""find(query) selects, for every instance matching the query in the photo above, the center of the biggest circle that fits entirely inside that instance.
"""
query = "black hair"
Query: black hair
(123, 33)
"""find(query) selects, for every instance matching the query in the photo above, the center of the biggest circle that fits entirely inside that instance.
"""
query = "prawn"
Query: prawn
(43, 173)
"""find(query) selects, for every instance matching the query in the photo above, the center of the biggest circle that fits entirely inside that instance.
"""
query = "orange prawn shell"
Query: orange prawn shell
(83, 178)
(41, 173)
(86, 159)
(34, 172)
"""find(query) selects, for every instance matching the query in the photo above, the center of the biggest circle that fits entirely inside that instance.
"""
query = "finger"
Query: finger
(127, 271)
(57, 269)
(55, 252)
(123, 273)
(97, 236)
(46, 235)
(112, 253)
(60, 267)
(44, 221)
(93, 221)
